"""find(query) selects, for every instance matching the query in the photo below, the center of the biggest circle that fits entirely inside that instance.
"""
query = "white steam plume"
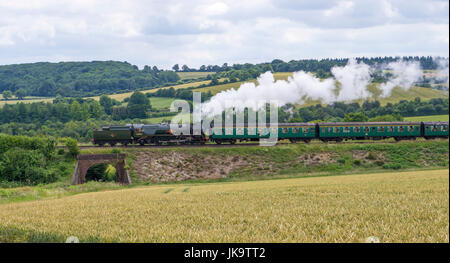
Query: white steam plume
(405, 74)
(443, 70)
(353, 78)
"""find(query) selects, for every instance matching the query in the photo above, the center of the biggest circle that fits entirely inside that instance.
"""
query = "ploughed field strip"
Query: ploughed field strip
(158, 134)
(395, 207)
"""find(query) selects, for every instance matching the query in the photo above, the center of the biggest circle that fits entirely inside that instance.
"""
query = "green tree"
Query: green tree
(7, 94)
(72, 145)
(95, 109)
(356, 117)
(176, 67)
(20, 93)
(106, 103)
(76, 111)
(138, 106)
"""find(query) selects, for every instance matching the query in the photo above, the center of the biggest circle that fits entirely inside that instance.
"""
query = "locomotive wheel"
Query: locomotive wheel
(112, 144)
(125, 144)
(233, 142)
(218, 142)
(142, 143)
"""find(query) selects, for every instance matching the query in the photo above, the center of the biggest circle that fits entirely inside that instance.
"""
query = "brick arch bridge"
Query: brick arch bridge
(85, 161)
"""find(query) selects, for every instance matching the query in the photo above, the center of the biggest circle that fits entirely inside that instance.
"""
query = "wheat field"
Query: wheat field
(395, 207)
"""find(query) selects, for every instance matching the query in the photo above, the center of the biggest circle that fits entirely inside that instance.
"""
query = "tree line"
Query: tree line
(79, 79)
(311, 65)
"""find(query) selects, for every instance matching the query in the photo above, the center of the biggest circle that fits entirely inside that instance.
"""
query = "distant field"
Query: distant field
(122, 96)
(160, 119)
(193, 75)
(26, 100)
(159, 102)
(428, 118)
(395, 207)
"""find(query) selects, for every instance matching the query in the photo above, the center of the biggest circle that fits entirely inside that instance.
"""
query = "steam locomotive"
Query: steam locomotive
(157, 134)
(143, 134)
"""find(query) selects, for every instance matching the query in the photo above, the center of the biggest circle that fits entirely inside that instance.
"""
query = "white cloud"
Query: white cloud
(200, 32)
(342, 8)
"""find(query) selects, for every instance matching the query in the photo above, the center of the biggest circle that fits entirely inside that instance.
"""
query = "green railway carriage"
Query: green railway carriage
(292, 131)
(435, 129)
(369, 130)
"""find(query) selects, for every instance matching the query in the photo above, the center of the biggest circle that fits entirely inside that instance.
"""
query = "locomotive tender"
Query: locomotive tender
(161, 133)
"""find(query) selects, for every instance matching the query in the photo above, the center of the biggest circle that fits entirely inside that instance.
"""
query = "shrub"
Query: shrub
(357, 162)
(116, 151)
(25, 166)
(72, 145)
(46, 146)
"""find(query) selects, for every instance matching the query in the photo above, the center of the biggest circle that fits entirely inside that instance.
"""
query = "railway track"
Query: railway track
(225, 145)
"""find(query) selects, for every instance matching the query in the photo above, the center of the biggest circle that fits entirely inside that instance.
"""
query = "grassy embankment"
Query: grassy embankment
(395, 207)
(200, 165)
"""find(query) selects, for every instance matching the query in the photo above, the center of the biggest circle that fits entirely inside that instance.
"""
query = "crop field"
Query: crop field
(193, 75)
(395, 207)
(160, 102)
(26, 100)
(122, 96)
(428, 118)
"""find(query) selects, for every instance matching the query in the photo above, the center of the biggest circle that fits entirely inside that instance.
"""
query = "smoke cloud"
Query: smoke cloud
(405, 74)
(443, 70)
(353, 79)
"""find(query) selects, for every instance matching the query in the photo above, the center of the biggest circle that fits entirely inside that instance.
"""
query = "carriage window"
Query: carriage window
(324, 130)
(366, 129)
(434, 128)
(356, 129)
(347, 129)
(410, 128)
(274, 130)
(401, 129)
(239, 131)
(337, 129)
(390, 129)
(229, 131)
(294, 130)
(444, 128)
(285, 130)
(380, 129)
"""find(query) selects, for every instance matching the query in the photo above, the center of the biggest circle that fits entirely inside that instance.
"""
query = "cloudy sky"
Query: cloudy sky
(165, 32)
